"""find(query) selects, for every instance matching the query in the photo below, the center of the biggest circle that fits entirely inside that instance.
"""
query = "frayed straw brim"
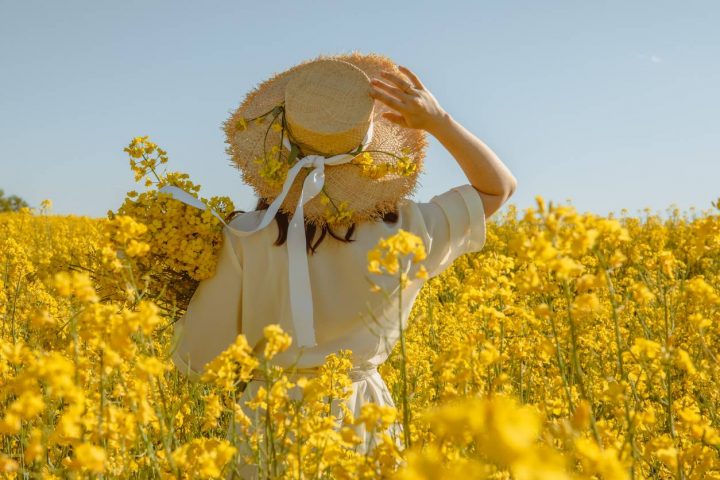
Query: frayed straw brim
(367, 198)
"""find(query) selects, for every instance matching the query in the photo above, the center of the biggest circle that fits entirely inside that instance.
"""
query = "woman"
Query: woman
(251, 288)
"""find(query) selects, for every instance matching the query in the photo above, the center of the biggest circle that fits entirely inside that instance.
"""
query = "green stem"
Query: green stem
(561, 362)
(403, 370)
(670, 425)
(616, 321)
(577, 369)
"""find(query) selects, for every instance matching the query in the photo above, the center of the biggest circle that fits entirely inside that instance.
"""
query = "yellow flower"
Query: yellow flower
(27, 406)
(388, 253)
(260, 399)
(213, 409)
(34, 449)
(272, 168)
(617, 259)
(405, 166)
(668, 456)
(641, 293)
(683, 360)
(89, 457)
(137, 249)
(422, 273)
(8, 465)
(77, 284)
(586, 303)
(646, 348)
(203, 458)
(234, 365)
(566, 268)
(375, 416)
(349, 436)
(600, 461)
(364, 158)
(277, 340)
(10, 424)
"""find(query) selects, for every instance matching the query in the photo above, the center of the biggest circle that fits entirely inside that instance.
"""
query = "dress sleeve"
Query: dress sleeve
(455, 225)
(210, 323)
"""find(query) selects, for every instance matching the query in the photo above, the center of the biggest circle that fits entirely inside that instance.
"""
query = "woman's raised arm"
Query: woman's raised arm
(417, 108)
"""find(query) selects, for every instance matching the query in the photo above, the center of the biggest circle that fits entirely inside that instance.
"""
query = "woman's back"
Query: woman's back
(250, 288)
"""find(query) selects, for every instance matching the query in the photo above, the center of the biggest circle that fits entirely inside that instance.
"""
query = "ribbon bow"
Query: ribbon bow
(301, 303)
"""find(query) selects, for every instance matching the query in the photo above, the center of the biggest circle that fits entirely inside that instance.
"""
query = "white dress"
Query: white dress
(250, 291)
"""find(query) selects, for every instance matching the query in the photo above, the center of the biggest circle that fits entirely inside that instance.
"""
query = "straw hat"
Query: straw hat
(323, 107)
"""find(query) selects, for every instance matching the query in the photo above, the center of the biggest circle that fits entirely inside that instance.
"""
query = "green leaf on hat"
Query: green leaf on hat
(294, 151)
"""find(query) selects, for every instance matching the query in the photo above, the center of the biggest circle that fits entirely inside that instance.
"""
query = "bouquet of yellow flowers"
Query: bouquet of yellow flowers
(169, 247)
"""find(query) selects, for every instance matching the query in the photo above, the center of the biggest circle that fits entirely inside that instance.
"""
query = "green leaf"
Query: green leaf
(294, 151)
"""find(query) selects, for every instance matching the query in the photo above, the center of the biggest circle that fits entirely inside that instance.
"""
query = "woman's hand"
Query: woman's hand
(414, 105)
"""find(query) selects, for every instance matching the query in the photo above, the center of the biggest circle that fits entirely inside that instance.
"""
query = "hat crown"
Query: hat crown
(328, 107)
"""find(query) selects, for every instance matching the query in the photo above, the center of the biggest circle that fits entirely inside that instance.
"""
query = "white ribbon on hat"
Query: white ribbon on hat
(301, 303)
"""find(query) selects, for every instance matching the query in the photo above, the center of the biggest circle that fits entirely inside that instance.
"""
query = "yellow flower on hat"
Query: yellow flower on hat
(272, 168)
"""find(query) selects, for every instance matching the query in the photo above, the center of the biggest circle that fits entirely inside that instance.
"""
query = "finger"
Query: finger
(395, 118)
(397, 80)
(390, 89)
(387, 99)
(413, 78)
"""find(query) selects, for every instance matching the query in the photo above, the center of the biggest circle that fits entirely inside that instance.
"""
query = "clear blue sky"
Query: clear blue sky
(610, 104)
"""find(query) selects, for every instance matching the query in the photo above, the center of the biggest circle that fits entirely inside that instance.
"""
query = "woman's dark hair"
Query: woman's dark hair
(283, 221)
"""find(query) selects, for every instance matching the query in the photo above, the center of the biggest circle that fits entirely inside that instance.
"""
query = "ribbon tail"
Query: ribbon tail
(301, 301)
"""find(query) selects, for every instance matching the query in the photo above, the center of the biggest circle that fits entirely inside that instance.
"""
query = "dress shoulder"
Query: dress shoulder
(450, 224)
